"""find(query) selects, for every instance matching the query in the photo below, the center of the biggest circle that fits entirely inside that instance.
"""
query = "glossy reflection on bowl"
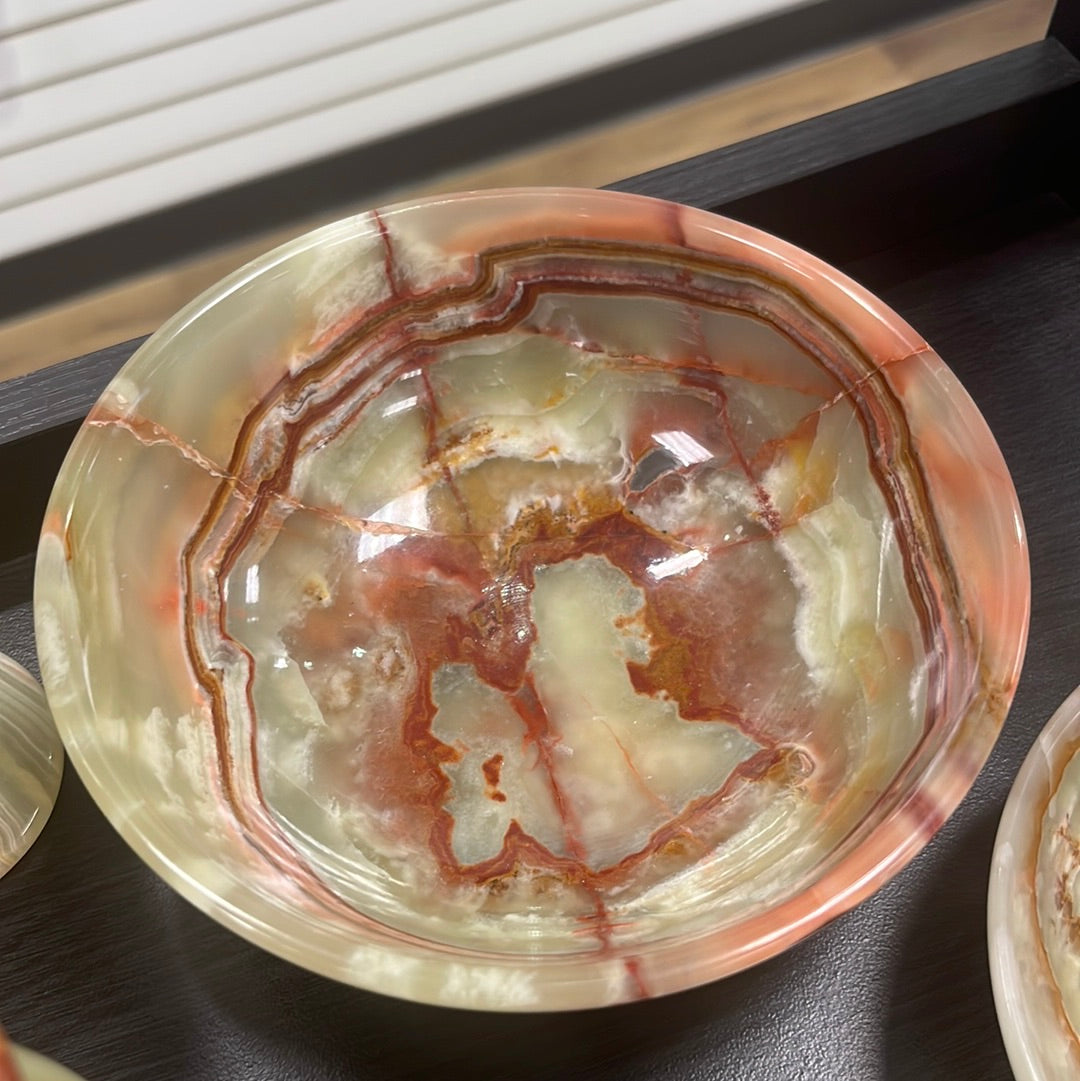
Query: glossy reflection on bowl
(531, 599)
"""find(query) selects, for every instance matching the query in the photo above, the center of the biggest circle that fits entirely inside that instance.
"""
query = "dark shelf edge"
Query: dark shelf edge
(1065, 25)
(720, 177)
(60, 394)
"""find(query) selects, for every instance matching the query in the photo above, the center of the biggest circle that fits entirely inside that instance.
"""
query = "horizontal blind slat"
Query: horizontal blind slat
(111, 35)
(385, 111)
(223, 114)
(150, 82)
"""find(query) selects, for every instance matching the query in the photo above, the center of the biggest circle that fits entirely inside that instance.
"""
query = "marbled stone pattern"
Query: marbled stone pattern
(31, 762)
(532, 599)
(1034, 906)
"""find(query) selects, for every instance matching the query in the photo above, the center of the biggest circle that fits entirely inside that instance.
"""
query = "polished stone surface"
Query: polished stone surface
(31, 762)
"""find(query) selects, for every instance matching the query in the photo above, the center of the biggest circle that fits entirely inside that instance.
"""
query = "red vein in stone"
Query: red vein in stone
(769, 514)
(775, 763)
(390, 262)
(432, 415)
(150, 433)
(758, 767)
(637, 979)
(354, 523)
(708, 365)
(634, 771)
(528, 706)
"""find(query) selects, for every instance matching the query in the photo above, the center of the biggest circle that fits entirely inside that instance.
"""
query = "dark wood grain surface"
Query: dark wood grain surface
(107, 969)
(731, 175)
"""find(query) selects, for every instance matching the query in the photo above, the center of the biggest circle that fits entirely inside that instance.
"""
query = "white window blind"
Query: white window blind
(111, 110)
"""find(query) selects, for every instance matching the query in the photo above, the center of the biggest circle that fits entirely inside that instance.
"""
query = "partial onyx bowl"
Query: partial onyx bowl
(1034, 906)
(31, 762)
(531, 599)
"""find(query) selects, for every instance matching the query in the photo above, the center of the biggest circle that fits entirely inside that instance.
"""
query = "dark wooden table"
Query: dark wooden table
(957, 201)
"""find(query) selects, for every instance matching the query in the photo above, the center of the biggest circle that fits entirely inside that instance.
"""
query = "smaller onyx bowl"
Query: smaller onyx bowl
(1033, 909)
(531, 599)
